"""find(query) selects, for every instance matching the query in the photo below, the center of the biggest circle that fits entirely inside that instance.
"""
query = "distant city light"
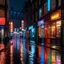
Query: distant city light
(53, 46)
(11, 26)
(22, 21)
(22, 24)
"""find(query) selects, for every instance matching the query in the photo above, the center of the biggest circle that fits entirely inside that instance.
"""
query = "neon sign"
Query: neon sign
(2, 21)
(40, 22)
(11, 26)
(56, 15)
(49, 7)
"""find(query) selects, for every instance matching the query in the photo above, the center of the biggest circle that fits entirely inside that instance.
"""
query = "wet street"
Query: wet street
(17, 52)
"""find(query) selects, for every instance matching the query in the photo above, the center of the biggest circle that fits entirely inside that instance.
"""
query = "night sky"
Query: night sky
(16, 7)
(17, 4)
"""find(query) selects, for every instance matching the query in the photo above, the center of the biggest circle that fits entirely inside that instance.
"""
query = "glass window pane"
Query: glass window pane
(45, 8)
(39, 32)
(58, 28)
(53, 4)
(42, 31)
(40, 12)
(53, 31)
(47, 31)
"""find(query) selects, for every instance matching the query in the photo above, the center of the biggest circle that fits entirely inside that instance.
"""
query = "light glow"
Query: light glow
(31, 27)
(53, 57)
(11, 26)
(58, 59)
(49, 7)
(11, 54)
(2, 21)
(53, 46)
(55, 16)
(40, 22)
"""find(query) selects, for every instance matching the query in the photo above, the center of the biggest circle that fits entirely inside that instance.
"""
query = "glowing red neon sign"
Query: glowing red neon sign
(2, 21)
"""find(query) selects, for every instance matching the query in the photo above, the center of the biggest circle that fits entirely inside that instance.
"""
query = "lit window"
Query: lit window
(53, 31)
(58, 28)
(45, 8)
(53, 4)
(40, 13)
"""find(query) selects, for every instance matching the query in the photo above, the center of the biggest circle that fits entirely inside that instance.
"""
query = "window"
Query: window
(53, 31)
(47, 31)
(33, 32)
(40, 13)
(53, 4)
(45, 8)
(2, 2)
(59, 2)
(2, 13)
(58, 28)
(41, 31)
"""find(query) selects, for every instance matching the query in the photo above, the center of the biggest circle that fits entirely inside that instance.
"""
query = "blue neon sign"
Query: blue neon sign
(49, 7)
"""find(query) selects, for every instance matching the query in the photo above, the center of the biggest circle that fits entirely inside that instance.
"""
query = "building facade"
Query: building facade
(4, 16)
(45, 19)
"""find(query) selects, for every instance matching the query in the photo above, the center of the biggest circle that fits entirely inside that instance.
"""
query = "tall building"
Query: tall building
(4, 15)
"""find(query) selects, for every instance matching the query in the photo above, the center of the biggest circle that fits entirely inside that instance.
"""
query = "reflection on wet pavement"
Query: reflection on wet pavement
(2, 54)
(21, 53)
(11, 54)
(2, 58)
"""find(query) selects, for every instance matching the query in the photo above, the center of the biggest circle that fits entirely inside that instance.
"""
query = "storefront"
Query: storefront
(41, 32)
(2, 29)
(40, 46)
(52, 35)
(49, 39)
